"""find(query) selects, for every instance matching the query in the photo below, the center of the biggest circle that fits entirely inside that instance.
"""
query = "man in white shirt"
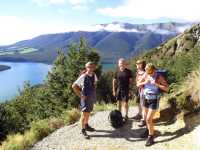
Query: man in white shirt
(84, 87)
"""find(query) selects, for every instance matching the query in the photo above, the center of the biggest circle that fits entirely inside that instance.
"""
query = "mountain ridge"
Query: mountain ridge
(110, 44)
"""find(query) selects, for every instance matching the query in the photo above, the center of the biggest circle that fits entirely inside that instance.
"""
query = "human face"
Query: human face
(90, 68)
(139, 66)
(150, 72)
(121, 65)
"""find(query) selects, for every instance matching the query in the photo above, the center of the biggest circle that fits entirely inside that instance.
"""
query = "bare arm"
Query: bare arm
(142, 81)
(114, 86)
(76, 90)
(162, 84)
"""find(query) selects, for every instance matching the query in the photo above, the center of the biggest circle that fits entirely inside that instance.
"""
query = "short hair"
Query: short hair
(89, 63)
(122, 60)
(141, 61)
(149, 67)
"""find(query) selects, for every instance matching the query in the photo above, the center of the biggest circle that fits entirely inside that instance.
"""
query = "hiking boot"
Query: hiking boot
(137, 117)
(142, 123)
(145, 134)
(84, 133)
(150, 141)
(89, 128)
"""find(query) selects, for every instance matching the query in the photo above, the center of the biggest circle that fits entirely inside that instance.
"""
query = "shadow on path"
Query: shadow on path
(125, 132)
(191, 122)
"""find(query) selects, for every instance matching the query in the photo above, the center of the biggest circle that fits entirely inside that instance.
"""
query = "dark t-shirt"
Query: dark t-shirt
(123, 78)
(88, 86)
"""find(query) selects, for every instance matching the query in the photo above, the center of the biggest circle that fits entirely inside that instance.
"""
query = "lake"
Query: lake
(13, 79)
(108, 66)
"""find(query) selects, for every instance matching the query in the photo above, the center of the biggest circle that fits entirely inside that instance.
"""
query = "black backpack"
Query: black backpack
(116, 119)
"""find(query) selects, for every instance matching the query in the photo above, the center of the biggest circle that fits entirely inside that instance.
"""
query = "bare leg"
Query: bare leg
(82, 120)
(139, 109)
(87, 114)
(120, 106)
(126, 108)
(149, 121)
(145, 112)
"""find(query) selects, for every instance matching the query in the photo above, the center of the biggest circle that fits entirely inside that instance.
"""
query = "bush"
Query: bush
(39, 130)
(71, 116)
(104, 88)
(14, 142)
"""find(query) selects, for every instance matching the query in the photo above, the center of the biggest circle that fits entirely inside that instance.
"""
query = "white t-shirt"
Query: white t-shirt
(80, 80)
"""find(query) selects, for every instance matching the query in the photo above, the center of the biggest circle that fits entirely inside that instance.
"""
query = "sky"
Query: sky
(25, 19)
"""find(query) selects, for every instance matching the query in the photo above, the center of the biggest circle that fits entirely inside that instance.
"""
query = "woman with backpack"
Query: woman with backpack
(152, 83)
(84, 87)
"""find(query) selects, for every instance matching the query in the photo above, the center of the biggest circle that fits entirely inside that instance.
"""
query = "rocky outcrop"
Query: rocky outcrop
(182, 43)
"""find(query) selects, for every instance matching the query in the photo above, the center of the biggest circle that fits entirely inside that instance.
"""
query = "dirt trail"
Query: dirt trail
(169, 136)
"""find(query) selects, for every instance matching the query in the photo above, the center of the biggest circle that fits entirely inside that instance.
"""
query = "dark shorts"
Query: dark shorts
(151, 104)
(87, 104)
(122, 96)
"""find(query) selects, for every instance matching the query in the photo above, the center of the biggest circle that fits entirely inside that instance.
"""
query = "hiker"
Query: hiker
(152, 83)
(140, 65)
(84, 87)
(121, 82)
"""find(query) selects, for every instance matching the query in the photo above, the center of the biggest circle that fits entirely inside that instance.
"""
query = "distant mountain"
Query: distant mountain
(112, 41)
(160, 28)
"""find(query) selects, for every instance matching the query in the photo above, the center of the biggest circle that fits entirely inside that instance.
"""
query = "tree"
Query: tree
(66, 69)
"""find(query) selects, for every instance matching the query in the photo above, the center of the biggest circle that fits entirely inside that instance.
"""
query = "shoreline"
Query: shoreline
(103, 63)
(4, 67)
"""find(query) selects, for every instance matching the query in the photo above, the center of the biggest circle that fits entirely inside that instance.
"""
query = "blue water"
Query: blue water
(108, 66)
(13, 79)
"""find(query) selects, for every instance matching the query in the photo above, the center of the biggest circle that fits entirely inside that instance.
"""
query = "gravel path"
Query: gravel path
(126, 138)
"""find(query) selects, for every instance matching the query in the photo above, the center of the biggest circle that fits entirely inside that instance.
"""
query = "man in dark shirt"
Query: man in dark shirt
(121, 83)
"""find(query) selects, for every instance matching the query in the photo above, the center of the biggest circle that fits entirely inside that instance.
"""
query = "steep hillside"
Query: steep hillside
(179, 45)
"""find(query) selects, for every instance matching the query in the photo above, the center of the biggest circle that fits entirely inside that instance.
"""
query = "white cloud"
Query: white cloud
(155, 9)
(48, 2)
(80, 2)
(13, 29)
(109, 27)
(80, 7)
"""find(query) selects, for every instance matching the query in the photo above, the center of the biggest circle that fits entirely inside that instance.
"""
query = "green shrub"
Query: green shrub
(71, 116)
